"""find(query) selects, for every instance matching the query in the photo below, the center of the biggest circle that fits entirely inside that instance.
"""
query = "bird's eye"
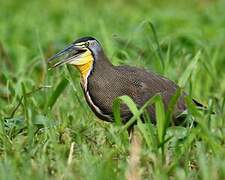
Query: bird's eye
(86, 44)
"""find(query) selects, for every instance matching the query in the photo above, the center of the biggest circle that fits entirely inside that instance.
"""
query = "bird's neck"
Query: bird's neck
(85, 69)
(102, 64)
(94, 68)
(101, 71)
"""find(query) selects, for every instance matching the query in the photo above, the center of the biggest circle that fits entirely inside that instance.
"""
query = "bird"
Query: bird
(102, 82)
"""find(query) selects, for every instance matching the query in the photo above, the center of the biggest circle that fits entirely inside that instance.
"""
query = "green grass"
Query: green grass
(47, 131)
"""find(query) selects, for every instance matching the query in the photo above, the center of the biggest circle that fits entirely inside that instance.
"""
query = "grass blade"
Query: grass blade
(158, 45)
(187, 73)
(131, 105)
(55, 95)
(161, 119)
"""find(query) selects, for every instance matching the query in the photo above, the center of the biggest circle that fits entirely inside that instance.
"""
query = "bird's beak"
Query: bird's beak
(69, 54)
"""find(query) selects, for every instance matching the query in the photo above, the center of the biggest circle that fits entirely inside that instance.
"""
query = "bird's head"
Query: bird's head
(80, 53)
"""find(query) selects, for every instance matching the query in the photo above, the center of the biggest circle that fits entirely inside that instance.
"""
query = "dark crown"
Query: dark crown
(83, 39)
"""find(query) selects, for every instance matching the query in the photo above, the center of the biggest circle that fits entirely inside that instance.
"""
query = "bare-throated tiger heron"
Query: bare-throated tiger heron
(102, 82)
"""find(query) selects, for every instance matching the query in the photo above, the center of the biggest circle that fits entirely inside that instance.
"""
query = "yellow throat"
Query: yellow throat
(84, 64)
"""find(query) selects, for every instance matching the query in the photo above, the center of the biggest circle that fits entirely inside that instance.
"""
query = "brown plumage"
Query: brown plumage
(104, 82)
(137, 83)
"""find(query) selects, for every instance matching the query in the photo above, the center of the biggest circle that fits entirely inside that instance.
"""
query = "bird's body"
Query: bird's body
(137, 83)
(102, 82)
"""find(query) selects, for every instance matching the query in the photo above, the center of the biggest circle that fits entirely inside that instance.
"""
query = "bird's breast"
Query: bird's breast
(98, 112)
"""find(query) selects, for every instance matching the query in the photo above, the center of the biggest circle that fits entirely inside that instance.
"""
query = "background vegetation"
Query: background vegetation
(46, 127)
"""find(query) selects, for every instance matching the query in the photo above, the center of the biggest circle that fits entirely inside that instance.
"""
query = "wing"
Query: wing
(143, 85)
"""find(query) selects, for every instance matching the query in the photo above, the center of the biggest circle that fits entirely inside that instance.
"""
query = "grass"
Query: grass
(47, 131)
